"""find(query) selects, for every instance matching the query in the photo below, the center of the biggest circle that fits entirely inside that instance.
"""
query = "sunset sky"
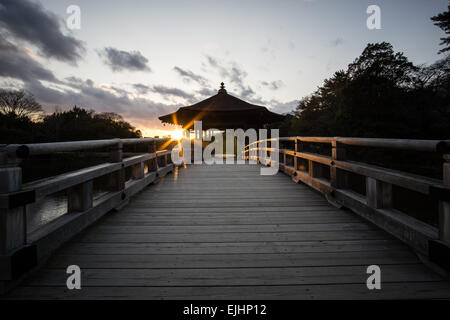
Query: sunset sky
(143, 59)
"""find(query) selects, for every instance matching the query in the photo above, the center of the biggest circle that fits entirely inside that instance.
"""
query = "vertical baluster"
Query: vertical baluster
(138, 171)
(13, 224)
(117, 178)
(378, 194)
(338, 177)
(444, 206)
(80, 197)
(311, 171)
(153, 163)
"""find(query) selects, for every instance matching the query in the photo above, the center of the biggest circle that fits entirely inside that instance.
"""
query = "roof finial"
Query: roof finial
(222, 88)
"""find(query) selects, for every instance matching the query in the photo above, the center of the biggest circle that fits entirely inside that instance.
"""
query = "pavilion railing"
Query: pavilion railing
(330, 176)
(22, 249)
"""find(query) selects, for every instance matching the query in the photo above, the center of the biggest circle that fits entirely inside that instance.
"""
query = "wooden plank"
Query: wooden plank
(101, 248)
(234, 276)
(411, 290)
(225, 232)
(214, 221)
(183, 261)
(169, 230)
(234, 237)
(297, 211)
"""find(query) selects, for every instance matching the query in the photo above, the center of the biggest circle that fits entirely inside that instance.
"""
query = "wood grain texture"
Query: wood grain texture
(225, 232)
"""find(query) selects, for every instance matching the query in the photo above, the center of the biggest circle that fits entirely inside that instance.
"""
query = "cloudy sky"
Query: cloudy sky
(143, 59)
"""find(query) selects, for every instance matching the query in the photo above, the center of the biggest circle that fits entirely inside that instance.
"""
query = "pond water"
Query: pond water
(50, 208)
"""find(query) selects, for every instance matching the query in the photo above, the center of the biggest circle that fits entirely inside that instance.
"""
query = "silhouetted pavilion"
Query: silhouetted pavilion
(222, 111)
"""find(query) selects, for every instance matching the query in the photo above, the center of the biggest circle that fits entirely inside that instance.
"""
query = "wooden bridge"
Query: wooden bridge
(225, 231)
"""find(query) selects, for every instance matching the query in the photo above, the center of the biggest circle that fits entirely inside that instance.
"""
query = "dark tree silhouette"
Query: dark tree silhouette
(82, 124)
(381, 94)
(442, 20)
(71, 125)
(18, 103)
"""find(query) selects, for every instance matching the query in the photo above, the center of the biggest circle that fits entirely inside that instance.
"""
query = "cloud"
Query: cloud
(207, 92)
(237, 76)
(16, 62)
(282, 107)
(85, 93)
(174, 92)
(291, 45)
(232, 72)
(141, 88)
(269, 48)
(337, 42)
(29, 21)
(189, 76)
(273, 85)
(120, 60)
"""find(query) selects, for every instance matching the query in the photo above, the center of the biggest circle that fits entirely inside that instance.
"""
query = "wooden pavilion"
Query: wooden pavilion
(222, 111)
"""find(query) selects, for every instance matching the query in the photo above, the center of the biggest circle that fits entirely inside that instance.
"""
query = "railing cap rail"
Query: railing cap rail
(441, 146)
(24, 150)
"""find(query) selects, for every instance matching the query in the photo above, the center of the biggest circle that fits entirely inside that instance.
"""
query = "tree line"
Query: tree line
(380, 94)
(22, 121)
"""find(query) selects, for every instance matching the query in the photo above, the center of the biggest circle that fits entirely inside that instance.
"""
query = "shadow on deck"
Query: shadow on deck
(226, 232)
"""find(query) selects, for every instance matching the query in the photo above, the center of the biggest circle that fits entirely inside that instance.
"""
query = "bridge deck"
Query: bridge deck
(221, 232)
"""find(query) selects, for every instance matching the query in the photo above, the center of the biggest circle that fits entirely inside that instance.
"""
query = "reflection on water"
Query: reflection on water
(45, 210)
(50, 208)
(45, 166)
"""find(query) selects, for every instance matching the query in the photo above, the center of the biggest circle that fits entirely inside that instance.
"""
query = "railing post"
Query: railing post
(444, 206)
(296, 149)
(154, 161)
(117, 178)
(12, 221)
(138, 171)
(338, 177)
(378, 194)
(311, 171)
(80, 197)
(164, 160)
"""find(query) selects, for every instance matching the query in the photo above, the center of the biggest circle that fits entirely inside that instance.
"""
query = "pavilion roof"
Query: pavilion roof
(223, 111)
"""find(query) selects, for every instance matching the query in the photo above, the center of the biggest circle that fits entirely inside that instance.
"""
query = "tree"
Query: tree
(381, 94)
(83, 124)
(378, 61)
(442, 20)
(18, 104)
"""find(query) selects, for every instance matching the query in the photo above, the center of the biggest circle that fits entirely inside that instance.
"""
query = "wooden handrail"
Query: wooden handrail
(17, 199)
(24, 150)
(441, 146)
(376, 205)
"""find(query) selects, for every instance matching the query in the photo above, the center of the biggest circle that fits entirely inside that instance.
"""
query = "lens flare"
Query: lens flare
(177, 134)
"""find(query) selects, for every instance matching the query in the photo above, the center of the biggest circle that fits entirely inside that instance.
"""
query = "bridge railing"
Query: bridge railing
(22, 249)
(330, 176)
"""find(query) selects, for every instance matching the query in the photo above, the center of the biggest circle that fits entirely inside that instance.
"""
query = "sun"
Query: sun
(177, 134)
